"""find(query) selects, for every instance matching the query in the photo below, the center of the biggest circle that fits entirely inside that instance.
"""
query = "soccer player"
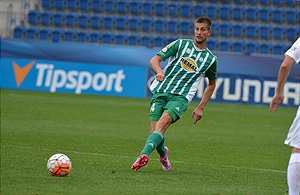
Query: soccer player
(292, 56)
(176, 85)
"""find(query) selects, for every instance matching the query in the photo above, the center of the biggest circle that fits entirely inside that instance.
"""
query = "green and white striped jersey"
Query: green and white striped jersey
(186, 66)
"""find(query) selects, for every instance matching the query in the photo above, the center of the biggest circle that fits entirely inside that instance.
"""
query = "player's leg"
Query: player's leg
(157, 137)
(175, 108)
(153, 141)
(164, 122)
(293, 172)
(162, 125)
(160, 148)
(157, 103)
(157, 119)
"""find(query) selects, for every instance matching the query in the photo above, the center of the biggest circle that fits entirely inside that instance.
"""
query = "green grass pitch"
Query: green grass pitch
(234, 149)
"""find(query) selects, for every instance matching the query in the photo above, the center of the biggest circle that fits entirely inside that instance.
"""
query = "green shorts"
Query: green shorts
(175, 105)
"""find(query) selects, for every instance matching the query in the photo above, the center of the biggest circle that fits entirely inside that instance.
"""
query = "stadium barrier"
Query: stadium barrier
(125, 71)
(71, 77)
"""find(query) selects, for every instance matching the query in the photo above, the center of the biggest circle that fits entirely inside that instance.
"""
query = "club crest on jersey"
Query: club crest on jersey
(188, 64)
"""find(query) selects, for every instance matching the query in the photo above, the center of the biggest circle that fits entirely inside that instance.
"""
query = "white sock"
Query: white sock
(293, 174)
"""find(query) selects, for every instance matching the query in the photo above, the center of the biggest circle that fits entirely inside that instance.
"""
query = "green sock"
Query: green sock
(161, 148)
(152, 142)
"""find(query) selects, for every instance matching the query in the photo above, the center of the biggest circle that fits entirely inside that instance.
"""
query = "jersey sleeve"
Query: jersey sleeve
(169, 50)
(294, 51)
(211, 73)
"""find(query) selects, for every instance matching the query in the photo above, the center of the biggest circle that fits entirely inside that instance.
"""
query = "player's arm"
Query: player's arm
(165, 53)
(283, 74)
(197, 113)
(155, 65)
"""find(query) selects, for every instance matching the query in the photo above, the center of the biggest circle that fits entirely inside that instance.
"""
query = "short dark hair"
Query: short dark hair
(204, 19)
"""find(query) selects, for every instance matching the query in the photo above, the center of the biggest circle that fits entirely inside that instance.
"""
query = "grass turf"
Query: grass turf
(234, 149)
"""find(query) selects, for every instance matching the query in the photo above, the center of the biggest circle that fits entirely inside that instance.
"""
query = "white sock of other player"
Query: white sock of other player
(293, 174)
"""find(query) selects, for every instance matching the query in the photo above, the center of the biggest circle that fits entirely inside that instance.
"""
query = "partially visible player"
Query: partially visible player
(292, 56)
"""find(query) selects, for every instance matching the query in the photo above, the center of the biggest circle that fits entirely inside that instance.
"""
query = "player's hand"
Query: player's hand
(197, 115)
(160, 76)
(277, 99)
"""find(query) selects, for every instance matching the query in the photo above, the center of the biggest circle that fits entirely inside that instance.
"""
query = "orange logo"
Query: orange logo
(21, 73)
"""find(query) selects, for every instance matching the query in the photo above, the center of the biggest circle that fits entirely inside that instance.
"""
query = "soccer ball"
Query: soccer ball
(59, 165)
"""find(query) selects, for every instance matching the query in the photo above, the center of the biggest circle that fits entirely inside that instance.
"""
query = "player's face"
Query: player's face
(201, 32)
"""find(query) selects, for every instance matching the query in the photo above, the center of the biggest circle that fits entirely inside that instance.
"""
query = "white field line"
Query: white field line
(123, 156)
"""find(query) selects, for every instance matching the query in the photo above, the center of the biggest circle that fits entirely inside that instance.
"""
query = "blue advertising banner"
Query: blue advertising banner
(134, 56)
(250, 90)
(246, 89)
(71, 77)
(125, 71)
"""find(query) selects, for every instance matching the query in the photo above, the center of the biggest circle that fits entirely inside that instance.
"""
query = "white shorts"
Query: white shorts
(293, 137)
